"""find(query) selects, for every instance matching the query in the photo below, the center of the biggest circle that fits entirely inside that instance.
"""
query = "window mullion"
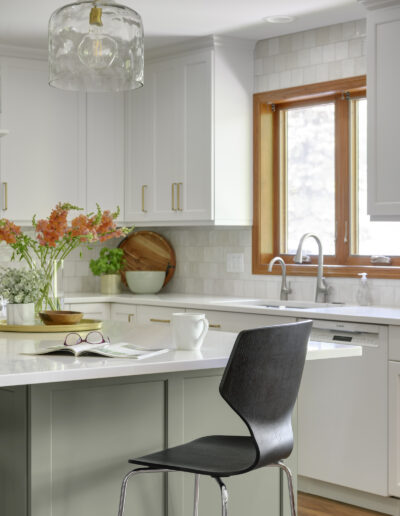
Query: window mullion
(342, 163)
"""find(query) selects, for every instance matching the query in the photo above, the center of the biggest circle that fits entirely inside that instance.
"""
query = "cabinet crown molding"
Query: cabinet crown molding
(378, 4)
(199, 44)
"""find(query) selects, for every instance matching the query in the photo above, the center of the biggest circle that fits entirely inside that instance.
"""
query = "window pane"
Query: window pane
(310, 182)
(373, 237)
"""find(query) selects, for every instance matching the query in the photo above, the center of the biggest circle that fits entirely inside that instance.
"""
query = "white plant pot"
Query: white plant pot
(110, 284)
(21, 314)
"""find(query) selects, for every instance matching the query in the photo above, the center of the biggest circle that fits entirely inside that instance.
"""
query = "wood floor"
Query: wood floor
(315, 506)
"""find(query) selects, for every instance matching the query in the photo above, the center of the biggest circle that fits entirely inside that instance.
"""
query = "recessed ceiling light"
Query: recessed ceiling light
(279, 19)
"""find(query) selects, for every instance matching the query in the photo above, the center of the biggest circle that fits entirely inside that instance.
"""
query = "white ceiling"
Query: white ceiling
(24, 22)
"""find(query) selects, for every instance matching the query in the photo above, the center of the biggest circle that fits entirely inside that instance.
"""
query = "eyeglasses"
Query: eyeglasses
(93, 337)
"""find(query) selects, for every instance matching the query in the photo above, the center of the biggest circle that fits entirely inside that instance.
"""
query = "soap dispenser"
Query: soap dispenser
(363, 293)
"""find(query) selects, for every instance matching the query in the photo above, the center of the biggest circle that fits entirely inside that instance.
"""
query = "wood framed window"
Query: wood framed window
(310, 176)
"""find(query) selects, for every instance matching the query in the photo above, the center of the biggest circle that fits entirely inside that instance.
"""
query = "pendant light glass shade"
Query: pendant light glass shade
(96, 46)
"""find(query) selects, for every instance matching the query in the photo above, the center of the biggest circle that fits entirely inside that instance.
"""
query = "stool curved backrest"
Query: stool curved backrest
(261, 383)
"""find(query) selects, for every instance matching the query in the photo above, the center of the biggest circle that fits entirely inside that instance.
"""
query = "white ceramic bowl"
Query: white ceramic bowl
(145, 282)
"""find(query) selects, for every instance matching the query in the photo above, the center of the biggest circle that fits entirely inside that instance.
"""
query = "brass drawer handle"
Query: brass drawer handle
(143, 208)
(173, 196)
(130, 317)
(5, 185)
(178, 195)
(160, 320)
(215, 326)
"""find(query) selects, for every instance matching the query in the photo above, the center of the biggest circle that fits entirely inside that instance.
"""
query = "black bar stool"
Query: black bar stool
(260, 383)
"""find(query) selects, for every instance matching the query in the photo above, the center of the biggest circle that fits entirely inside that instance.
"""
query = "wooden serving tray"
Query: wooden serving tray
(84, 325)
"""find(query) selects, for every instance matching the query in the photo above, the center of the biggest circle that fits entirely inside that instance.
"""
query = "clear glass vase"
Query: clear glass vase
(53, 292)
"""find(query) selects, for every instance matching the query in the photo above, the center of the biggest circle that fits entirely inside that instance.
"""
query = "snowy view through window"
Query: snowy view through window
(311, 176)
(310, 195)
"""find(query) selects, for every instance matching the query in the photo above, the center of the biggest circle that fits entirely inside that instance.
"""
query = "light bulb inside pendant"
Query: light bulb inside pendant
(97, 50)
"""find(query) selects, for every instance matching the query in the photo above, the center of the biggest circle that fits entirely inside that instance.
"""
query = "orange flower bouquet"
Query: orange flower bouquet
(54, 238)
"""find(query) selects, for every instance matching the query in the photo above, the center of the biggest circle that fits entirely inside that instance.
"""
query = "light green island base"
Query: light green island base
(64, 448)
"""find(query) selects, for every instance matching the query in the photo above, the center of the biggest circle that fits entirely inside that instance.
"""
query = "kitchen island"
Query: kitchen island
(68, 426)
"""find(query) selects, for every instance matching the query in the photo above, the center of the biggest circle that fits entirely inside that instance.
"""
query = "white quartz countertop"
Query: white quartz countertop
(363, 314)
(18, 368)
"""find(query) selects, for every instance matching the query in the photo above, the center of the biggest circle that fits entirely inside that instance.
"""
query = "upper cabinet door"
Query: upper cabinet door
(43, 158)
(383, 78)
(169, 142)
(195, 191)
(105, 151)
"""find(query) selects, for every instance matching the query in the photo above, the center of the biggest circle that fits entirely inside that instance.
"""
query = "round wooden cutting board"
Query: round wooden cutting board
(148, 251)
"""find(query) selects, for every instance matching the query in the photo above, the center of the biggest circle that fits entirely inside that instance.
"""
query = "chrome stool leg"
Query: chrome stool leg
(290, 486)
(196, 495)
(125, 482)
(224, 496)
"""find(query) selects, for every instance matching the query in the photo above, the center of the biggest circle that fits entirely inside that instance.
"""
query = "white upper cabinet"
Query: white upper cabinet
(42, 159)
(189, 139)
(105, 151)
(383, 86)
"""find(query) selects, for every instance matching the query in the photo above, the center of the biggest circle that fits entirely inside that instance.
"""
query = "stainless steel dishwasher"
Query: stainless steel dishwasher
(342, 410)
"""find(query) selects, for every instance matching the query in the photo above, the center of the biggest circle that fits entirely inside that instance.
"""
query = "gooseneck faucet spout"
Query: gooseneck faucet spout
(285, 289)
(322, 287)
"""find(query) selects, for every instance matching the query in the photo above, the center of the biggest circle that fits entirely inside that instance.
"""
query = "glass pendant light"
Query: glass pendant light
(96, 45)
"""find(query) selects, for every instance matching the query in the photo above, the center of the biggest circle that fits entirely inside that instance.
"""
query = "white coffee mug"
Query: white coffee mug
(189, 330)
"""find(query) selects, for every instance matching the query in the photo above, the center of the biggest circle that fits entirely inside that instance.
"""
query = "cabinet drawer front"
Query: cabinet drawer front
(126, 313)
(234, 321)
(93, 310)
(159, 315)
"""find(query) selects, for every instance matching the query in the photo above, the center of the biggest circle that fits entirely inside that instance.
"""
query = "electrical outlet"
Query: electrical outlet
(235, 262)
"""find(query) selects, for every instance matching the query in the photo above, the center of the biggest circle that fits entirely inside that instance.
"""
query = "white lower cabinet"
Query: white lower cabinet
(233, 321)
(125, 313)
(394, 429)
(100, 311)
(156, 315)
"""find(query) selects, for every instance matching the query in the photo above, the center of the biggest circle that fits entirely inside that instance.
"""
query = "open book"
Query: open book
(119, 350)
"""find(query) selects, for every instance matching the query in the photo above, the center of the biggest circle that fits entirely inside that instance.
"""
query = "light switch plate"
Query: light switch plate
(235, 262)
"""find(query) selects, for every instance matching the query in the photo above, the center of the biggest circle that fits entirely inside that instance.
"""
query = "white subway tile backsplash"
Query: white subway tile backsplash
(316, 55)
(328, 53)
(273, 46)
(348, 30)
(342, 50)
(356, 47)
(335, 33)
(296, 77)
(309, 39)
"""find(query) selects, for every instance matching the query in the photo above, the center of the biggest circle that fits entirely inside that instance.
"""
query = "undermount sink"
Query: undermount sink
(279, 304)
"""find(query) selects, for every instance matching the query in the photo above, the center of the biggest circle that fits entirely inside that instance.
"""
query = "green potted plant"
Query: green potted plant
(21, 289)
(108, 267)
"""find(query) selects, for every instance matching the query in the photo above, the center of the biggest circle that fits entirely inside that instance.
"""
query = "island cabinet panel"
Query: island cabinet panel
(13, 451)
(65, 446)
(206, 413)
(82, 435)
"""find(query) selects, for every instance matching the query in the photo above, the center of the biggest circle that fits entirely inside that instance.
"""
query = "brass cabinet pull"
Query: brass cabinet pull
(5, 206)
(173, 196)
(178, 195)
(215, 326)
(160, 320)
(143, 208)
(130, 317)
